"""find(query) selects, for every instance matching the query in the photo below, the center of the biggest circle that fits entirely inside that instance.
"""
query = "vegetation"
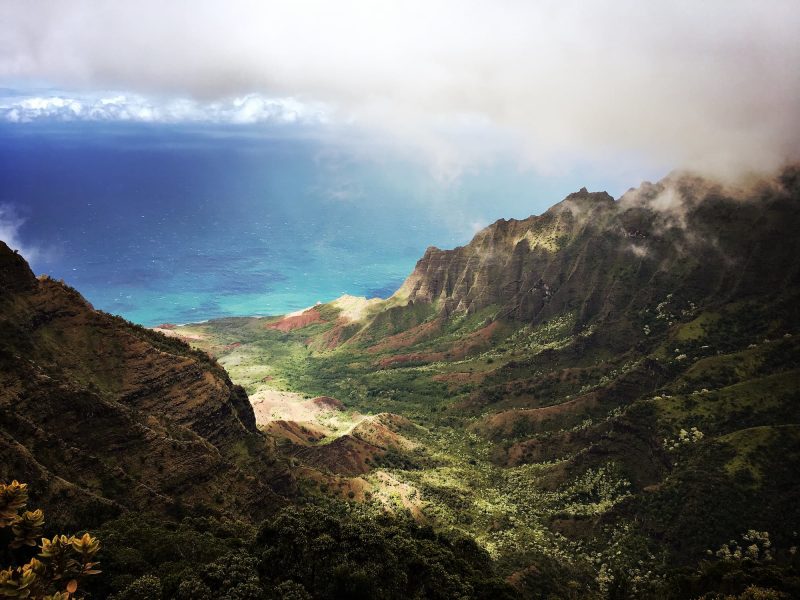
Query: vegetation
(591, 422)
(621, 497)
(62, 562)
(332, 550)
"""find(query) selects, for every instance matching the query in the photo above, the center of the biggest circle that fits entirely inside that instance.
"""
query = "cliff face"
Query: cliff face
(99, 415)
(596, 256)
(505, 262)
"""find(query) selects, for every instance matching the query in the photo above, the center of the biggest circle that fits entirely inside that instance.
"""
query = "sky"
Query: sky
(464, 111)
(710, 85)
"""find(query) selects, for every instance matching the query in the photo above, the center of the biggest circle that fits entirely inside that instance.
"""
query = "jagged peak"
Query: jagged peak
(504, 262)
(581, 201)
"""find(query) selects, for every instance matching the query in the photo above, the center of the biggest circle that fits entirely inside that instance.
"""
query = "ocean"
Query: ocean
(170, 224)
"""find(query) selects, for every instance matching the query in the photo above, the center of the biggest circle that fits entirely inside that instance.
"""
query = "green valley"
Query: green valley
(600, 420)
(598, 402)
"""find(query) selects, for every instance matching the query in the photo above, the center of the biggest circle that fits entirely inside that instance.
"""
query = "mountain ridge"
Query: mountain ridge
(97, 412)
(641, 223)
(611, 379)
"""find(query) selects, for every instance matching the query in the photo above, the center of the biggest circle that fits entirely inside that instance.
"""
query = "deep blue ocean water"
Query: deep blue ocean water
(171, 224)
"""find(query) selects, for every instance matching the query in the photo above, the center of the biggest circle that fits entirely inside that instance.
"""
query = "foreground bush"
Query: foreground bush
(54, 573)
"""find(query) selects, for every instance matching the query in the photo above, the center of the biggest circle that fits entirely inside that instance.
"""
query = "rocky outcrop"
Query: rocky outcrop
(596, 256)
(506, 261)
(296, 321)
(15, 274)
(101, 416)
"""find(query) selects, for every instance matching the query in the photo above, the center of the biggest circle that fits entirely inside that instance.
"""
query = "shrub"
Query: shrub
(61, 563)
(147, 587)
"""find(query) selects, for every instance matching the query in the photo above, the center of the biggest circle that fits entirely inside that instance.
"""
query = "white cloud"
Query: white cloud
(639, 250)
(476, 226)
(251, 108)
(10, 224)
(681, 83)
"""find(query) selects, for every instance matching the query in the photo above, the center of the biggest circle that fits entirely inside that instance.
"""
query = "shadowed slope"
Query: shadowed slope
(99, 415)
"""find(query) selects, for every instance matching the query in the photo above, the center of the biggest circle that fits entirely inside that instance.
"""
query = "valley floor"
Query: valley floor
(575, 466)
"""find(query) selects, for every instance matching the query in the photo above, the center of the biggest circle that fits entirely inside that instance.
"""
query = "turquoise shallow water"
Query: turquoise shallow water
(176, 225)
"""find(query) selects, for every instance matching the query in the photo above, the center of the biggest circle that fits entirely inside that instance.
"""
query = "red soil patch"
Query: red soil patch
(477, 340)
(345, 455)
(484, 334)
(335, 485)
(355, 453)
(520, 393)
(326, 402)
(459, 378)
(306, 318)
(301, 434)
(231, 346)
(502, 424)
(335, 337)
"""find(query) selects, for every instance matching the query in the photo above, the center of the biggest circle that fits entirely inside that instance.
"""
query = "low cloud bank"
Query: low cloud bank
(711, 86)
(248, 109)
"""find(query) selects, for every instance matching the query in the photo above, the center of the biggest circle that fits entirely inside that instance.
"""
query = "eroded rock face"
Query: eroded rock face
(595, 256)
(506, 261)
(99, 415)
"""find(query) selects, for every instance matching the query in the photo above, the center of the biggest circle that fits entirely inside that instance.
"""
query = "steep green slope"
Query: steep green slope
(100, 416)
(146, 442)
